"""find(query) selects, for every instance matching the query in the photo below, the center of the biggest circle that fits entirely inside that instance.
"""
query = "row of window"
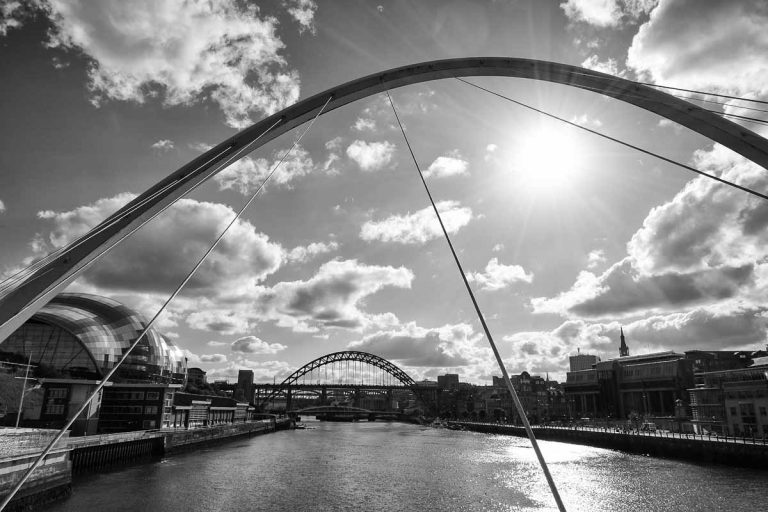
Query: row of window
(129, 409)
(134, 395)
(748, 410)
(758, 393)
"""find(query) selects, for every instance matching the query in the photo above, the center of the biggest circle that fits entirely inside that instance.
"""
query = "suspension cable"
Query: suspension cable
(619, 141)
(510, 387)
(703, 92)
(178, 289)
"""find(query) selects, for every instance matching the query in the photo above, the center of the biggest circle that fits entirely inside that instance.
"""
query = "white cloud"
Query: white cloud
(247, 174)
(302, 254)
(595, 258)
(364, 124)
(331, 298)
(449, 346)
(371, 156)
(2, 206)
(157, 257)
(303, 11)
(498, 248)
(11, 14)
(419, 227)
(214, 343)
(213, 358)
(717, 44)
(498, 276)
(609, 66)
(607, 13)
(601, 13)
(202, 147)
(254, 345)
(444, 166)
(163, 145)
(182, 52)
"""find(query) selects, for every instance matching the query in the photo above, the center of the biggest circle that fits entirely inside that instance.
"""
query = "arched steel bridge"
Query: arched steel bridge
(35, 289)
(347, 355)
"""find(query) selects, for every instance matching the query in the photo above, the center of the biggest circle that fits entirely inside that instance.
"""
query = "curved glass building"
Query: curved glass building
(82, 336)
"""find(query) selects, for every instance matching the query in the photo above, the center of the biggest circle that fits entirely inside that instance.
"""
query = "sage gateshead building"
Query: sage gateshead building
(82, 336)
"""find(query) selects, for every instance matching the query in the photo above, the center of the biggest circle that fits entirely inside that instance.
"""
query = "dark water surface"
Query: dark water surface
(393, 466)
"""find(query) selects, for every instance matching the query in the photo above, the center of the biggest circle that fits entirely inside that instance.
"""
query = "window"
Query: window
(150, 409)
(149, 424)
(763, 412)
(54, 409)
(153, 395)
(57, 393)
(733, 411)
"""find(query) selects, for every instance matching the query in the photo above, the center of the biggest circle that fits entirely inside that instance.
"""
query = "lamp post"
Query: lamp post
(23, 391)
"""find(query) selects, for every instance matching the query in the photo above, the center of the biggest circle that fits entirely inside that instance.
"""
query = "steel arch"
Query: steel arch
(346, 355)
(20, 303)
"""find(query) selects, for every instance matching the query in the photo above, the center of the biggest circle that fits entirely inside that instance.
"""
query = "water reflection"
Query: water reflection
(392, 466)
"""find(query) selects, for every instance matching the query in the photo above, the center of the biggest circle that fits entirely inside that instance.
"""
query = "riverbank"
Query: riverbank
(53, 479)
(731, 451)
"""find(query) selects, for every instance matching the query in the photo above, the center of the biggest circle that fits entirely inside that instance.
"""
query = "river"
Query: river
(381, 466)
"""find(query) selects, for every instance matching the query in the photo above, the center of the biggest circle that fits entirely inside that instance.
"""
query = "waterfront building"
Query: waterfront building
(82, 336)
(244, 390)
(195, 411)
(196, 377)
(582, 362)
(448, 381)
(733, 401)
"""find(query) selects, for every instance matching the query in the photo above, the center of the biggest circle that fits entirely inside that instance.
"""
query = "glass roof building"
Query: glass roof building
(82, 336)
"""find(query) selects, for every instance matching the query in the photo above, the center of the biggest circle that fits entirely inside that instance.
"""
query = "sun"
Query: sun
(547, 161)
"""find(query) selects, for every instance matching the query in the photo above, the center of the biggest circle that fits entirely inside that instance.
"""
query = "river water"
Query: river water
(399, 467)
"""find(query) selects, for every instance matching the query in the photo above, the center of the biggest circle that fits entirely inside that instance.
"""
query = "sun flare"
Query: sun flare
(547, 161)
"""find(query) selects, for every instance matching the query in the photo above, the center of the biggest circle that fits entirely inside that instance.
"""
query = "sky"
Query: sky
(565, 237)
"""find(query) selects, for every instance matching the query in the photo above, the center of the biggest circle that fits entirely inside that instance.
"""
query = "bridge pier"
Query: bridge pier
(288, 399)
(324, 395)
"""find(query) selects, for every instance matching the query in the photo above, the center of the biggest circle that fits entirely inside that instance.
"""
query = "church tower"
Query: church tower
(623, 348)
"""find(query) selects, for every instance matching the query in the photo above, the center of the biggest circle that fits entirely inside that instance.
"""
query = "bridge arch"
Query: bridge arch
(36, 289)
(345, 355)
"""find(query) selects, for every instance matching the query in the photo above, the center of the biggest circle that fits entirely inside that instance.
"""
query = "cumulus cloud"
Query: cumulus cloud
(444, 166)
(371, 156)
(214, 343)
(585, 120)
(449, 346)
(263, 371)
(716, 44)
(608, 66)
(182, 52)
(247, 174)
(2, 206)
(595, 258)
(11, 15)
(332, 297)
(303, 11)
(157, 257)
(213, 358)
(254, 345)
(419, 227)
(364, 124)
(163, 145)
(302, 254)
(498, 276)
(606, 13)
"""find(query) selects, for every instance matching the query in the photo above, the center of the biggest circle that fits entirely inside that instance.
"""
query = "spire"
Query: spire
(623, 348)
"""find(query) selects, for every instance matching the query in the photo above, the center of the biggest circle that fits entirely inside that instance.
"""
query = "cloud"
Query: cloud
(247, 174)
(157, 257)
(364, 124)
(609, 66)
(302, 254)
(718, 44)
(498, 248)
(214, 343)
(213, 358)
(623, 290)
(163, 145)
(419, 227)
(498, 276)
(444, 166)
(182, 52)
(607, 13)
(449, 346)
(371, 156)
(263, 371)
(331, 298)
(254, 345)
(595, 258)
(11, 15)
(585, 120)
(2, 206)
(202, 147)
(303, 11)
